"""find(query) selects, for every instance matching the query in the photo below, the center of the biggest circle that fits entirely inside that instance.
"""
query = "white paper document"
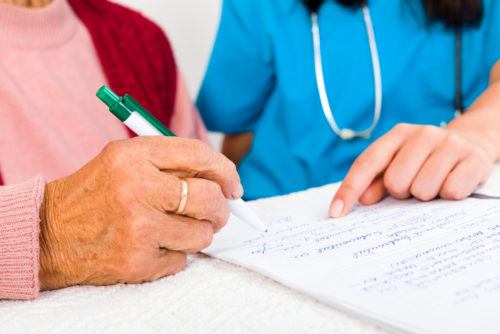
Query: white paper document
(492, 187)
(410, 266)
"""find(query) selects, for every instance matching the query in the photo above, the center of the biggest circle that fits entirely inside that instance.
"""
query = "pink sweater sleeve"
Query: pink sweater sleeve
(19, 239)
(186, 120)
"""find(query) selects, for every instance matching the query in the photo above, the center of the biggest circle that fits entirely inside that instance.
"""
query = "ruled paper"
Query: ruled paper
(410, 266)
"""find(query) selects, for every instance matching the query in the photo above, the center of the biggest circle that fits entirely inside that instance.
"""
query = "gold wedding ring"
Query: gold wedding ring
(184, 196)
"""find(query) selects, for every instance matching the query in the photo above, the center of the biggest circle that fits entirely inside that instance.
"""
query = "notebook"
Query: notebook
(409, 266)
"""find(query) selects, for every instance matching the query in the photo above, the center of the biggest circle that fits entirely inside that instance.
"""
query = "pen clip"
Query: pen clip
(135, 106)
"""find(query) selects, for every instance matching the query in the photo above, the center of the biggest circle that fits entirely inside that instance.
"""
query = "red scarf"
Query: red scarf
(135, 55)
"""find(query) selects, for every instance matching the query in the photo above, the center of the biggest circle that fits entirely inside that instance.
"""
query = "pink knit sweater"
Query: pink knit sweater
(52, 124)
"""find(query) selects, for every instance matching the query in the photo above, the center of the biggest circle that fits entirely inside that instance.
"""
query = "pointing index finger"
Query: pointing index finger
(373, 161)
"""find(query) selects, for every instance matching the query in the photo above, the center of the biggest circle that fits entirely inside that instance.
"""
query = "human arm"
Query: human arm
(235, 147)
(93, 199)
(427, 161)
(240, 74)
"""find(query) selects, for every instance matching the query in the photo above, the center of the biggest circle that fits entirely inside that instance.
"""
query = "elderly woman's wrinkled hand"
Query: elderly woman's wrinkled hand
(117, 219)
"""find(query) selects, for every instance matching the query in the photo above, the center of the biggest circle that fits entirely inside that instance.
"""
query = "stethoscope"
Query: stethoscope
(346, 133)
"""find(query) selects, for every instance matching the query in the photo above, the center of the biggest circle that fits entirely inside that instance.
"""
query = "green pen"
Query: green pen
(132, 114)
(139, 120)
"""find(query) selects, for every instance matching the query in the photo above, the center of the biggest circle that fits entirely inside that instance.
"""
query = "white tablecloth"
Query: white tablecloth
(210, 296)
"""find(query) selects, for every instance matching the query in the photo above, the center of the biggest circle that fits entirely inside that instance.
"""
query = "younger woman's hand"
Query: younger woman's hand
(419, 161)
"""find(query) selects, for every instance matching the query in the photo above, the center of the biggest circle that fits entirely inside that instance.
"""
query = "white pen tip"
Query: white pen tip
(241, 210)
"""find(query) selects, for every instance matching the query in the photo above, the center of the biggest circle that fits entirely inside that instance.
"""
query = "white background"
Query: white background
(191, 26)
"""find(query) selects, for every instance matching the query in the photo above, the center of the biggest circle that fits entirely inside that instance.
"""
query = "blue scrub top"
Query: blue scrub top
(261, 79)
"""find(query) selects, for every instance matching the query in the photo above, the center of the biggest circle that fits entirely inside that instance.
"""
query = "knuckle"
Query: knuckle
(221, 216)
(221, 201)
(453, 192)
(402, 128)
(224, 214)
(212, 189)
(211, 196)
(452, 140)
(366, 160)
(129, 266)
(229, 177)
(486, 173)
(115, 151)
(124, 193)
(207, 240)
(428, 131)
(206, 200)
(394, 186)
(135, 231)
(176, 263)
(136, 228)
(202, 152)
(478, 155)
(127, 188)
(422, 193)
(180, 263)
(128, 233)
(229, 167)
(205, 236)
(429, 136)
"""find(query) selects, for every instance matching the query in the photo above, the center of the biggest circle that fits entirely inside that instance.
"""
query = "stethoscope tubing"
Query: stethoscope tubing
(346, 133)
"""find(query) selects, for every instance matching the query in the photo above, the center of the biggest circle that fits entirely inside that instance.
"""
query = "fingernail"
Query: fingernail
(337, 208)
(238, 192)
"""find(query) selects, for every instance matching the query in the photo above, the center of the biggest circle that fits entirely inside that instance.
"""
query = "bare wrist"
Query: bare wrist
(470, 127)
(49, 275)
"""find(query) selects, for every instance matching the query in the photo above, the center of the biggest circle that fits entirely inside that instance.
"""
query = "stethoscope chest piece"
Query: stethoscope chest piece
(349, 134)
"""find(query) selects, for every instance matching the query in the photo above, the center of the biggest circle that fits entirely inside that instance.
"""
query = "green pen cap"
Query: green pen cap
(108, 96)
(114, 102)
